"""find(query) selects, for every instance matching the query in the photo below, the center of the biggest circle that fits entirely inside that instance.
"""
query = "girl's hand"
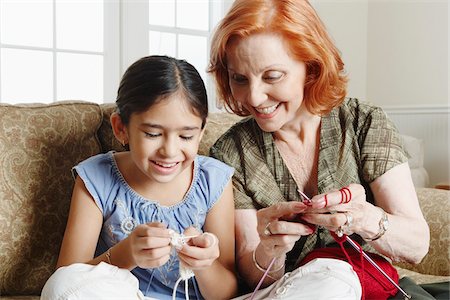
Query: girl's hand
(200, 251)
(279, 229)
(343, 211)
(150, 245)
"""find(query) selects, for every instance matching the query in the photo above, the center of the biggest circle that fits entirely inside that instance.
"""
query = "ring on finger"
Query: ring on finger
(348, 223)
(340, 231)
(267, 230)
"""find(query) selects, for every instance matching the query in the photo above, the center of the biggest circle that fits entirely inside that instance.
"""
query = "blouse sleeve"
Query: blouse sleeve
(381, 145)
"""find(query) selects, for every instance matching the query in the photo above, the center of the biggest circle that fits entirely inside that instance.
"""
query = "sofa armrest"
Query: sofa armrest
(435, 205)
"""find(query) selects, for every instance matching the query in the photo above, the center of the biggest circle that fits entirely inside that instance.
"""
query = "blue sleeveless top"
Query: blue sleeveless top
(123, 209)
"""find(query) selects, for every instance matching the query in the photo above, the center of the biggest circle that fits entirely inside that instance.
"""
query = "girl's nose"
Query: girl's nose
(169, 147)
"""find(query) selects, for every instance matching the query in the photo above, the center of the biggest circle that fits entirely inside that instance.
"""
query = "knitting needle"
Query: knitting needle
(262, 279)
(367, 257)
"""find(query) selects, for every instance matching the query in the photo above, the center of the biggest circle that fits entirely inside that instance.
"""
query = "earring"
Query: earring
(123, 143)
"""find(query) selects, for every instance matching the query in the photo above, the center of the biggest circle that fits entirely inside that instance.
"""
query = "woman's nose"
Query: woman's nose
(257, 94)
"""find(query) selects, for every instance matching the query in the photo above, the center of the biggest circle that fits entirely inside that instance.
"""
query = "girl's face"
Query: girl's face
(164, 140)
(266, 80)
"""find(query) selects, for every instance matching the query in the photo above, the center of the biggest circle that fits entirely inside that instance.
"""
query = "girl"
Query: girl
(144, 210)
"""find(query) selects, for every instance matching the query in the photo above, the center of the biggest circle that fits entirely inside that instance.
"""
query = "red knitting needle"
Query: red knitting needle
(367, 257)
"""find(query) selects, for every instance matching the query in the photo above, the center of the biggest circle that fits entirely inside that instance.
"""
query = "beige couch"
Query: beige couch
(38, 146)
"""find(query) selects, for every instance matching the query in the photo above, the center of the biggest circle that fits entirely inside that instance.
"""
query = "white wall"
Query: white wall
(407, 51)
(396, 53)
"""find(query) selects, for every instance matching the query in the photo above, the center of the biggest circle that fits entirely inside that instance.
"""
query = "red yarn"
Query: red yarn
(374, 284)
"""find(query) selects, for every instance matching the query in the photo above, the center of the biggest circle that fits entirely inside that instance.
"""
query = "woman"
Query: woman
(274, 61)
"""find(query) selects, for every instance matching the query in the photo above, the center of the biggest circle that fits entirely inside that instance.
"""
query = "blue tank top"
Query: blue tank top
(123, 209)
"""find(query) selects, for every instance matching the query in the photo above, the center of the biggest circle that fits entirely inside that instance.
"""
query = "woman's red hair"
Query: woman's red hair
(300, 26)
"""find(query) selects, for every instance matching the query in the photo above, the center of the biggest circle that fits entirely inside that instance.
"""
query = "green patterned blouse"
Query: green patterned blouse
(358, 143)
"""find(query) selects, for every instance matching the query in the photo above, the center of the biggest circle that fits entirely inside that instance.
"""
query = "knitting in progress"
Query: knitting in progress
(177, 240)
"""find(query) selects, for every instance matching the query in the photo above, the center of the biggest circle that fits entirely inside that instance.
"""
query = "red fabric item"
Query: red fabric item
(374, 284)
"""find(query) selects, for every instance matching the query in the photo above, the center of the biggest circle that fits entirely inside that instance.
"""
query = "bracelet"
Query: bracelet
(383, 227)
(258, 266)
(108, 256)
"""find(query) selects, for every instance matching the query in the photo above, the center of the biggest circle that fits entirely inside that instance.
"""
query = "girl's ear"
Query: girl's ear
(203, 130)
(119, 129)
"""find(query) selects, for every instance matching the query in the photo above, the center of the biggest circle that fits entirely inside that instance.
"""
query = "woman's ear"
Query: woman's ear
(119, 129)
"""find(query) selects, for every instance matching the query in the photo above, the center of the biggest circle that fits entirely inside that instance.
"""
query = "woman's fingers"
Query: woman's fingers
(283, 210)
(287, 228)
(344, 195)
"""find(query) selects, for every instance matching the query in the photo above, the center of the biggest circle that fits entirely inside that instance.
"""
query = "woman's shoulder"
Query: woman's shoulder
(244, 127)
(243, 135)
(356, 107)
(357, 114)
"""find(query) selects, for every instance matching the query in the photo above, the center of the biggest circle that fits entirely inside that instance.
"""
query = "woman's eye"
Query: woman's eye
(273, 76)
(152, 135)
(239, 79)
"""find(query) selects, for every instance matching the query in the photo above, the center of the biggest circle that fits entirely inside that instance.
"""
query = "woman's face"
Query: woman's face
(266, 80)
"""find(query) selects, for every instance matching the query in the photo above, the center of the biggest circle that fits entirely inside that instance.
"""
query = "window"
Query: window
(178, 28)
(53, 50)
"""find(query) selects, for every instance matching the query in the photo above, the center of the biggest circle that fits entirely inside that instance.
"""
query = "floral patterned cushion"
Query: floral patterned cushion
(39, 144)
(435, 204)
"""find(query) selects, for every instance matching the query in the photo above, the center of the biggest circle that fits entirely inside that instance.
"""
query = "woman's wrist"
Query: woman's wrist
(276, 267)
(383, 225)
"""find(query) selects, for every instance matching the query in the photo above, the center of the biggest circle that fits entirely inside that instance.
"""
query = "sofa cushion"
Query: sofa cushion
(435, 205)
(39, 144)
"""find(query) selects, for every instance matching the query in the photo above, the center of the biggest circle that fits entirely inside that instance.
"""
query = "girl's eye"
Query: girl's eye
(239, 79)
(152, 135)
(273, 76)
(187, 138)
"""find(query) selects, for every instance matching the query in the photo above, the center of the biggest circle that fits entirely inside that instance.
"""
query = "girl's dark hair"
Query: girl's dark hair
(152, 79)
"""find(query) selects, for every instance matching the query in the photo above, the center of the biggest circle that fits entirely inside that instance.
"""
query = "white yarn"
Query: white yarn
(177, 240)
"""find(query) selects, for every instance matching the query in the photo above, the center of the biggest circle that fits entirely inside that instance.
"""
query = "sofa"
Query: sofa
(39, 143)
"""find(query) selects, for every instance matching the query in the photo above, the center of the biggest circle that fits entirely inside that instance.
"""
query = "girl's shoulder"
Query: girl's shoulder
(211, 177)
(211, 169)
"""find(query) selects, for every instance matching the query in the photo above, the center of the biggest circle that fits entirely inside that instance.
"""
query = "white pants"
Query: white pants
(321, 278)
(83, 281)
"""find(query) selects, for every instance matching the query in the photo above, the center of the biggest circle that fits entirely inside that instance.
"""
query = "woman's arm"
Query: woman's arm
(256, 249)
(218, 281)
(408, 236)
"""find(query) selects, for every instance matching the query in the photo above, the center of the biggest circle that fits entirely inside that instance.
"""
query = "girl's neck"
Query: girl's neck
(165, 193)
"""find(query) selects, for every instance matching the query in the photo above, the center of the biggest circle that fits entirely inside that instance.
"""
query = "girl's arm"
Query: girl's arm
(82, 230)
(218, 281)
(147, 246)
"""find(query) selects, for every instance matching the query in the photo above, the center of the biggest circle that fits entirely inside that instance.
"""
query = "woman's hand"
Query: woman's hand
(342, 211)
(200, 251)
(150, 245)
(279, 229)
